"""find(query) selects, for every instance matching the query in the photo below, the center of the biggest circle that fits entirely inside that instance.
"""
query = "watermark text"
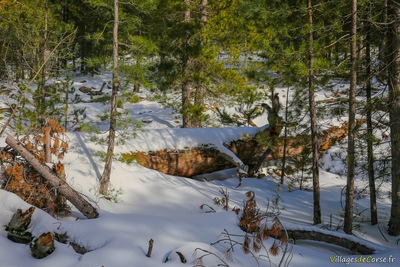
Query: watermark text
(361, 259)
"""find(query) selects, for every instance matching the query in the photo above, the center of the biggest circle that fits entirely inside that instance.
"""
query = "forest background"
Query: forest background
(204, 58)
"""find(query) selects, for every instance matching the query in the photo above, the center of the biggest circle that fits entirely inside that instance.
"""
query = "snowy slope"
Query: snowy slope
(151, 205)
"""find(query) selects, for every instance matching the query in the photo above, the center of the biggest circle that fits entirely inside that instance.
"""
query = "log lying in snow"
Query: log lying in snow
(74, 197)
(208, 158)
(185, 163)
(331, 239)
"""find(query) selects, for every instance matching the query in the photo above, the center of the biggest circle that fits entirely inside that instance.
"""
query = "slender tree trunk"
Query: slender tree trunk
(313, 118)
(105, 179)
(348, 216)
(383, 49)
(370, 151)
(393, 42)
(66, 107)
(186, 93)
(187, 13)
(41, 86)
(204, 12)
(186, 87)
(285, 137)
(47, 143)
(200, 89)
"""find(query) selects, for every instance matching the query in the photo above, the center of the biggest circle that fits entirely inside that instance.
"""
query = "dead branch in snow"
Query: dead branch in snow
(73, 196)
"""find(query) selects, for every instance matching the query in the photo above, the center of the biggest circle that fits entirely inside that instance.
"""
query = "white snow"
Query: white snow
(152, 205)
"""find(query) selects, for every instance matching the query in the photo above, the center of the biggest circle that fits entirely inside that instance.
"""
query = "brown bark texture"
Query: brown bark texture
(43, 246)
(17, 228)
(106, 176)
(207, 158)
(331, 239)
(348, 213)
(73, 196)
(394, 113)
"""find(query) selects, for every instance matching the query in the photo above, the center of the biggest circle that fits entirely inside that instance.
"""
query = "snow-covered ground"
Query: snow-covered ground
(151, 205)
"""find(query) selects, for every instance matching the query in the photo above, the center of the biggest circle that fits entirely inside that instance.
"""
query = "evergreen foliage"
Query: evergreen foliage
(206, 57)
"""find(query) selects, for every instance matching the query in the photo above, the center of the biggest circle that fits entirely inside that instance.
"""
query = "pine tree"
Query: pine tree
(313, 118)
(370, 139)
(348, 217)
(393, 54)
(190, 47)
(105, 178)
(33, 34)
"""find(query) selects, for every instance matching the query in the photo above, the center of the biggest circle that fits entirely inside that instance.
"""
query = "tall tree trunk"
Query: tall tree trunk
(393, 43)
(285, 137)
(186, 95)
(41, 86)
(204, 12)
(43, 119)
(186, 87)
(199, 93)
(186, 13)
(348, 216)
(313, 118)
(383, 49)
(370, 151)
(105, 179)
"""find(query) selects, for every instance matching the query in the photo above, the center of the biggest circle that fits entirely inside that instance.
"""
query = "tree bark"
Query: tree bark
(285, 136)
(370, 150)
(275, 123)
(207, 158)
(199, 92)
(150, 249)
(43, 246)
(105, 178)
(348, 216)
(331, 239)
(313, 119)
(186, 66)
(74, 197)
(42, 85)
(17, 228)
(393, 42)
(47, 143)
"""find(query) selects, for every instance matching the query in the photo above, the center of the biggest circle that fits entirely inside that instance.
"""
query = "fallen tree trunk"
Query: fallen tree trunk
(341, 241)
(207, 158)
(74, 197)
(186, 163)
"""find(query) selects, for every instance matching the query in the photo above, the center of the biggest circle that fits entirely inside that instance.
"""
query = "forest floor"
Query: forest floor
(148, 205)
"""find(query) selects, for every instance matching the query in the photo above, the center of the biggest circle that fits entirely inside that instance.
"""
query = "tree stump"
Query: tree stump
(18, 226)
(43, 246)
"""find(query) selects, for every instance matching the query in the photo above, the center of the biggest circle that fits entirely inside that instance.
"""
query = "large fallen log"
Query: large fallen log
(349, 242)
(207, 158)
(73, 196)
(341, 241)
